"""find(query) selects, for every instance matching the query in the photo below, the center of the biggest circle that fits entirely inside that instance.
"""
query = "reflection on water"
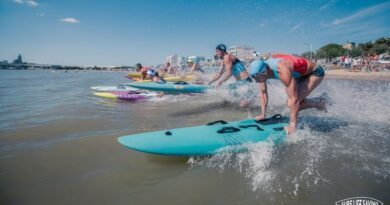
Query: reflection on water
(58, 140)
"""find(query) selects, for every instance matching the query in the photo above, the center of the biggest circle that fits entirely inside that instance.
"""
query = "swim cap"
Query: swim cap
(257, 66)
(221, 47)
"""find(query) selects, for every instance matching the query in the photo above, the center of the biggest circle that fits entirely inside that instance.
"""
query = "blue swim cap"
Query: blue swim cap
(257, 66)
(221, 47)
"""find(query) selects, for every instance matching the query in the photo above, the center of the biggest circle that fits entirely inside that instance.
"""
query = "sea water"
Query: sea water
(58, 146)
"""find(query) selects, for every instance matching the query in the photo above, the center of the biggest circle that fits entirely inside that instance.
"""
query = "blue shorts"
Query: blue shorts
(238, 68)
(319, 71)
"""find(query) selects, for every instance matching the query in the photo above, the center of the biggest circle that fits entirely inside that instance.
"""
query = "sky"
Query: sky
(119, 32)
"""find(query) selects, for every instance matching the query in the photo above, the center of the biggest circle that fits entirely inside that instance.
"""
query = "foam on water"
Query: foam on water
(171, 98)
(353, 135)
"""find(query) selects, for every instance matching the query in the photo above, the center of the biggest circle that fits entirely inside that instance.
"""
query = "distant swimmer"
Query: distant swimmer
(142, 70)
(170, 68)
(299, 75)
(194, 67)
(154, 76)
(233, 66)
(164, 69)
(196, 70)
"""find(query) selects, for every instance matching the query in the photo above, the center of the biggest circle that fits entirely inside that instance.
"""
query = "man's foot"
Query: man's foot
(326, 97)
(260, 117)
(325, 100)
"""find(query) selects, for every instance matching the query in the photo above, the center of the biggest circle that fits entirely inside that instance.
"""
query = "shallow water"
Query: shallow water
(58, 146)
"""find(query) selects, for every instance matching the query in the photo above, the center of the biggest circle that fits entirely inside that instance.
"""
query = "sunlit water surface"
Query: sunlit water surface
(58, 146)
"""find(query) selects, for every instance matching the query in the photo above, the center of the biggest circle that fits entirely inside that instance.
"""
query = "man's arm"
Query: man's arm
(193, 68)
(263, 100)
(143, 73)
(229, 67)
(218, 75)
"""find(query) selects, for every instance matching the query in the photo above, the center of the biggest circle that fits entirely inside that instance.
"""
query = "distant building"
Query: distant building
(173, 60)
(196, 59)
(18, 60)
(349, 45)
(183, 60)
(244, 53)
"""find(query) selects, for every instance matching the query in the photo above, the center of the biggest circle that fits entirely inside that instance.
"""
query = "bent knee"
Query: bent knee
(290, 102)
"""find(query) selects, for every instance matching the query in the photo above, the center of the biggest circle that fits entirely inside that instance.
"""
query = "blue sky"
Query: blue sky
(119, 32)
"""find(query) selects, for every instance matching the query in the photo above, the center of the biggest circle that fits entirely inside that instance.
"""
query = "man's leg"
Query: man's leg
(305, 88)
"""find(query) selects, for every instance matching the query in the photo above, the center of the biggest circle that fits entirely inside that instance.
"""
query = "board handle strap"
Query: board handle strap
(248, 126)
(228, 130)
(216, 122)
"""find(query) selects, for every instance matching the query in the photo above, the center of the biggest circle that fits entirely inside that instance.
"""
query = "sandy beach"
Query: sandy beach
(344, 74)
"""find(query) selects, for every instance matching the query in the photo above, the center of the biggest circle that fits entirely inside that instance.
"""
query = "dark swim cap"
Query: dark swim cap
(221, 47)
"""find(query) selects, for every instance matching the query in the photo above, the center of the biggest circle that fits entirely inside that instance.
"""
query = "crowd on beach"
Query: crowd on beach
(374, 63)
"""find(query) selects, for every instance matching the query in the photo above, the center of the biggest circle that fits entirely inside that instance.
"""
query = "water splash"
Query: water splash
(351, 138)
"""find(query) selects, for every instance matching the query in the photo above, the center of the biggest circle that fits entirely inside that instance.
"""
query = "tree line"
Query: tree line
(332, 50)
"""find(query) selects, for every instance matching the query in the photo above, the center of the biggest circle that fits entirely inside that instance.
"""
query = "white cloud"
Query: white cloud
(70, 20)
(327, 5)
(31, 3)
(346, 29)
(263, 23)
(363, 13)
(18, 1)
(297, 26)
(40, 14)
(367, 34)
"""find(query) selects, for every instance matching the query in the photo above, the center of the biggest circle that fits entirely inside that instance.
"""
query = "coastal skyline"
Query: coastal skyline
(124, 33)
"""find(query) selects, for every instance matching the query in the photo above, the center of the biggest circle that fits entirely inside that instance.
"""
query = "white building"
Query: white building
(173, 60)
(196, 59)
(244, 53)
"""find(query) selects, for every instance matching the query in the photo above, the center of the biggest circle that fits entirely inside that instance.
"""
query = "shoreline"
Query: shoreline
(329, 74)
(344, 74)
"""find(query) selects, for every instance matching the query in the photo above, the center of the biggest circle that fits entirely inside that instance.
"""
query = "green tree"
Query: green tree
(366, 47)
(379, 49)
(383, 40)
(331, 51)
(308, 55)
(356, 51)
